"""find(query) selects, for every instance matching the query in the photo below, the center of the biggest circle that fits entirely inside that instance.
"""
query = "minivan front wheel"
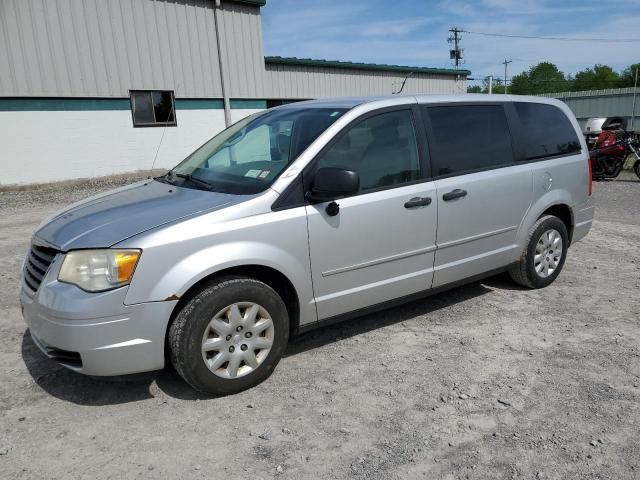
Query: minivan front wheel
(229, 336)
(544, 254)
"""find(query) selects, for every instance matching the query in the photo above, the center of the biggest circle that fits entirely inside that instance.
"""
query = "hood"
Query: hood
(109, 218)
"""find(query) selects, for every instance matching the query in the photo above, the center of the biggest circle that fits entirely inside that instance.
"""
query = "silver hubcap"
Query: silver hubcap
(548, 253)
(237, 340)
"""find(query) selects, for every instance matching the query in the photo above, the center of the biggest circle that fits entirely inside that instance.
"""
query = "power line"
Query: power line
(564, 39)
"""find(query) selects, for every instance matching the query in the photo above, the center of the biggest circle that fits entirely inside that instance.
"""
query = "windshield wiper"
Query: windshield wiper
(190, 178)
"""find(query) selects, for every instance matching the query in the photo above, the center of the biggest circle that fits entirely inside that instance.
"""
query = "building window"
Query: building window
(153, 108)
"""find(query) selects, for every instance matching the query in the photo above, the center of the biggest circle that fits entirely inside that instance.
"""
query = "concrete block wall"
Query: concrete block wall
(47, 146)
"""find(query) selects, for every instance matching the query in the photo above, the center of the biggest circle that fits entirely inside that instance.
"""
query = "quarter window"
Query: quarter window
(153, 108)
(546, 131)
(382, 149)
(469, 137)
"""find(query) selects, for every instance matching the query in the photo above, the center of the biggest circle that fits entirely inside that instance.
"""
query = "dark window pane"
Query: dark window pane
(546, 130)
(277, 102)
(142, 108)
(382, 149)
(469, 137)
(163, 107)
(153, 108)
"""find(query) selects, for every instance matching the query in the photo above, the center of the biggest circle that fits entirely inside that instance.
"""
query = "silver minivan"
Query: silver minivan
(301, 216)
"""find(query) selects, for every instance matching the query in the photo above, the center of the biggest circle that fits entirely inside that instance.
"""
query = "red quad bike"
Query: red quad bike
(611, 149)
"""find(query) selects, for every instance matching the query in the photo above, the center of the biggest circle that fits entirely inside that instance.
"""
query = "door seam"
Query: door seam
(313, 288)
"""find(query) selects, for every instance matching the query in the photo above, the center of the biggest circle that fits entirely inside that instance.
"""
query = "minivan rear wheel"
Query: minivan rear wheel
(544, 254)
(229, 336)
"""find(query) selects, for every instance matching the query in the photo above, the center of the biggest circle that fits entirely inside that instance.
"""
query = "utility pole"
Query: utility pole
(221, 61)
(455, 53)
(505, 63)
(490, 84)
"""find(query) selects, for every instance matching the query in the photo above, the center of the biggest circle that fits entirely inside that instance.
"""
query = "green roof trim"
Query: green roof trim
(257, 3)
(362, 66)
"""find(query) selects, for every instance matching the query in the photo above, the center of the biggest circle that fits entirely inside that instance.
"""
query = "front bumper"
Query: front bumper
(95, 333)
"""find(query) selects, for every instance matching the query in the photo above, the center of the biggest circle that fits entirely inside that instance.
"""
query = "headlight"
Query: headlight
(97, 270)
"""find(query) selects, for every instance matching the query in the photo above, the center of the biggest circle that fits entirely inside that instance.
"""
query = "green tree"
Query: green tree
(497, 87)
(545, 77)
(628, 75)
(599, 77)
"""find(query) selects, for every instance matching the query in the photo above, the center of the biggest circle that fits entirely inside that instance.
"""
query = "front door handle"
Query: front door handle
(417, 202)
(453, 194)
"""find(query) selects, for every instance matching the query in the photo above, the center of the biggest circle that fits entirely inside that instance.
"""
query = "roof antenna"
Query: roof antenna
(403, 84)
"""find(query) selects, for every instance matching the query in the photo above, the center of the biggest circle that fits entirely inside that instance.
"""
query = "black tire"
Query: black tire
(185, 334)
(636, 168)
(524, 272)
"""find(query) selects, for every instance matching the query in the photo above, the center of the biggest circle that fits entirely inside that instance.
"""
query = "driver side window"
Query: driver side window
(382, 149)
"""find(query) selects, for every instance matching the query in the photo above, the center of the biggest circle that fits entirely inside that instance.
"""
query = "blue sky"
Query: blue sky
(414, 32)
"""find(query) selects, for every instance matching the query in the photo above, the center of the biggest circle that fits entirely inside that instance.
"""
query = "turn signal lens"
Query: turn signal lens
(125, 264)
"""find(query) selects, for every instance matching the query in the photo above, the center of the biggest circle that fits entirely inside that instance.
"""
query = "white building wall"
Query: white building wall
(48, 146)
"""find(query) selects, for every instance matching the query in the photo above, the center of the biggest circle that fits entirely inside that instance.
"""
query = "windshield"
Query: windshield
(250, 155)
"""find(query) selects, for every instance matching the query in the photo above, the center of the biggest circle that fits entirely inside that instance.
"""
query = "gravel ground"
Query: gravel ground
(484, 381)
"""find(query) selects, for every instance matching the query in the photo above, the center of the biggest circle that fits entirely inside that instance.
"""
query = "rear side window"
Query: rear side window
(546, 131)
(465, 138)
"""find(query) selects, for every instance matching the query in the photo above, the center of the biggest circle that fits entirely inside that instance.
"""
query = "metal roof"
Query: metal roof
(591, 93)
(362, 66)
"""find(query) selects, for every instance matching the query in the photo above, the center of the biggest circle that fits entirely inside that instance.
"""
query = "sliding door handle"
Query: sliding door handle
(453, 194)
(417, 202)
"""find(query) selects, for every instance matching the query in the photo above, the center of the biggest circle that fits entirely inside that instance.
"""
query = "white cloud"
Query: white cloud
(399, 27)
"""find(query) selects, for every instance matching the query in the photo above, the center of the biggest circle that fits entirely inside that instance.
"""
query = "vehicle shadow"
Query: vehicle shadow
(503, 282)
(73, 387)
(79, 389)
(331, 333)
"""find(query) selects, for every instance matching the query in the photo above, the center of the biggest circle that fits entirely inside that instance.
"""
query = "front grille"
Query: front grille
(65, 357)
(38, 262)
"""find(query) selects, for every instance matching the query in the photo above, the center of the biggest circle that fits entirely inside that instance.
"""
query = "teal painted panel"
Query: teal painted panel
(248, 104)
(199, 104)
(62, 104)
(80, 104)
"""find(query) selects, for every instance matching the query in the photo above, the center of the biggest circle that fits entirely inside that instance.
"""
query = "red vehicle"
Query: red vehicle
(611, 149)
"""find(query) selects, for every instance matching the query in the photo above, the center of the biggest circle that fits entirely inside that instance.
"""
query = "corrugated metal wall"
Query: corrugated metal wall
(291, 81)
(241, 28)
(104, 48)
(90, 48)
(601, 103)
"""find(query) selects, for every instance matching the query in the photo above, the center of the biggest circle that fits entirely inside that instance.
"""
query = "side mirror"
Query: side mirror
(330, 183)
